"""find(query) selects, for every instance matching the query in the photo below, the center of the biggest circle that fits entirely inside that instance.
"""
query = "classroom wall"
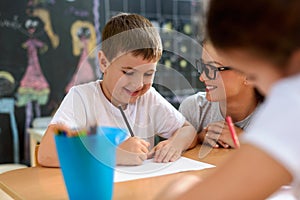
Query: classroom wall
(45, 32)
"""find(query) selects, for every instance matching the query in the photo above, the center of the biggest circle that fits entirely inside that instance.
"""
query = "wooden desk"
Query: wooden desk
(47, 183)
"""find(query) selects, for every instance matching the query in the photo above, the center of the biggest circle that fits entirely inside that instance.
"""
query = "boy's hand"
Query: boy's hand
(132, 152)
(170, 150)
(165, 151)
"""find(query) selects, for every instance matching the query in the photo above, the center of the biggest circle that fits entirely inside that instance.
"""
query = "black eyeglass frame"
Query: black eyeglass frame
(201, 66)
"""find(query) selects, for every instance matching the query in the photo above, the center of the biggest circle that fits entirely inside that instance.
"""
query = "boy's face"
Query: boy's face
(127, 78)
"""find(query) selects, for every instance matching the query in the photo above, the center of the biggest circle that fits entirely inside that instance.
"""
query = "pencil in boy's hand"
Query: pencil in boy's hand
(232, 132)
(126, 121)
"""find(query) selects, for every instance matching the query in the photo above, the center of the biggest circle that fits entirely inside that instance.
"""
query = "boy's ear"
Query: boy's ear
(102, 61)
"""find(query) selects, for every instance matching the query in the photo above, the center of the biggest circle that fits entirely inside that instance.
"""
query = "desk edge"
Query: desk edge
(9, 192)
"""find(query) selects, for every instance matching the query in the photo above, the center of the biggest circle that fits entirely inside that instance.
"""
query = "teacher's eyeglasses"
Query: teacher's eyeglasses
(209, 69)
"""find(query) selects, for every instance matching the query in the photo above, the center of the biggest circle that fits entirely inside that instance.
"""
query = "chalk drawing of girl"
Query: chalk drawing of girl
(33, 86)
(84, 41)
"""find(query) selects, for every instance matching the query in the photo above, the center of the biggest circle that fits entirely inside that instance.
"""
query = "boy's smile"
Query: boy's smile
(134, 93)
(127, 78)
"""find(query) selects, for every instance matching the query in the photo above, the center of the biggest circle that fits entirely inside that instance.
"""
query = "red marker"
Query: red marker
(232, 132)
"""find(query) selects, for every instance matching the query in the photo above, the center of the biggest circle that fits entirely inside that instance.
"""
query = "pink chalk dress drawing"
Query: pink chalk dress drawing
(84, 41)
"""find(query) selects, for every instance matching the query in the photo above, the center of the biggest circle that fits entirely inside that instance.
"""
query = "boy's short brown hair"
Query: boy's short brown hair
(132, 33)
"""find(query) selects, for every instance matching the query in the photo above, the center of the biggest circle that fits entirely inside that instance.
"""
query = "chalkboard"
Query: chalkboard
(41, 39)
(42, 44)
(58, 63)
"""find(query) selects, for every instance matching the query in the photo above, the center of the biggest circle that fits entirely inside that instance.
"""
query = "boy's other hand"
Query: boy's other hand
(133, 151)
(165, 151)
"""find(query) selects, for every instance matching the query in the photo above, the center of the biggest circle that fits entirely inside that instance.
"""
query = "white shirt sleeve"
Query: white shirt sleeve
(166, 117)
(71, 112)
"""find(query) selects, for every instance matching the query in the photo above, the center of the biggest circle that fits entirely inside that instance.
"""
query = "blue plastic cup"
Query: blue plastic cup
(88, 162)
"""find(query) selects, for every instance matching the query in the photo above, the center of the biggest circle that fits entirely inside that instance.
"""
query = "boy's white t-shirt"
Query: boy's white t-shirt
(85, 106)
(276, 126)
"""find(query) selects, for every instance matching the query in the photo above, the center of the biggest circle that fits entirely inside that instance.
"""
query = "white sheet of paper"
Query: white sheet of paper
(151, 169)
(284, 193)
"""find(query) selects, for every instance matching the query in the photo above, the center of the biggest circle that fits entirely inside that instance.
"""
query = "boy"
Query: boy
(130, 51)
